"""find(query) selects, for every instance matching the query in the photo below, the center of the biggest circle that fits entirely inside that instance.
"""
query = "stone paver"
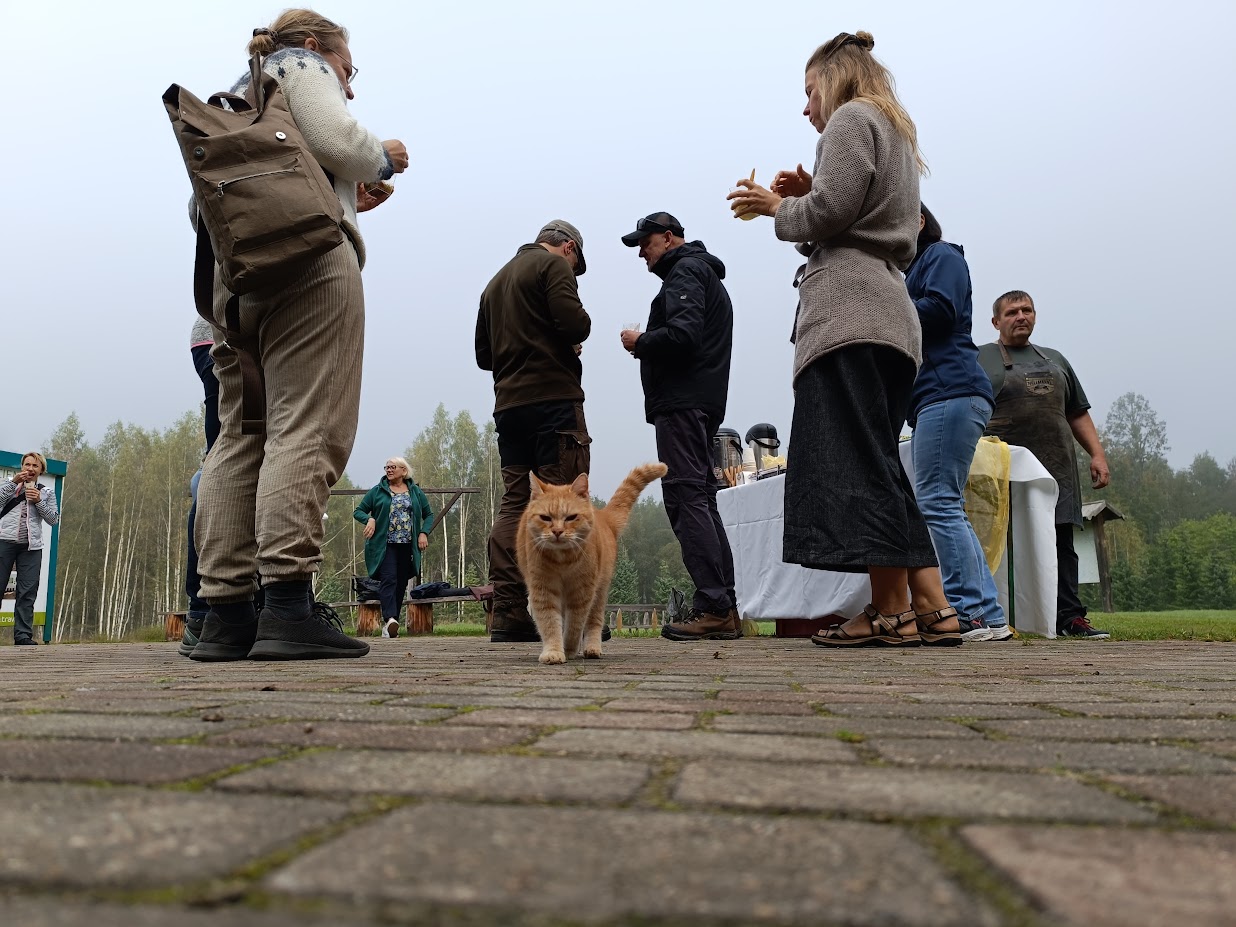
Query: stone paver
(897, 792)
(80, 836)
(1049, 754)
(451, 781)
(596, 864)
(498, 778)
(1208, 798)
(1130, 877)
(693, 744)
(380, 736)
(112, 761)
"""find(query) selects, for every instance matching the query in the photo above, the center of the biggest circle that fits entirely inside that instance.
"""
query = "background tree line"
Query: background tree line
(126, 503)
(1176, 547)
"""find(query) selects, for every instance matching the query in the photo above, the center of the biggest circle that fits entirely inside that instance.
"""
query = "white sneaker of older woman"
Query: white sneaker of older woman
(391, 628)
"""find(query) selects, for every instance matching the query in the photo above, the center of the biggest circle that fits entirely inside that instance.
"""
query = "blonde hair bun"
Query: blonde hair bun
(866, 38)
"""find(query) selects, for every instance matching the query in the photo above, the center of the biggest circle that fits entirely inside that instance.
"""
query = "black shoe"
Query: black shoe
(25, 642)
(317, 635)
(193, 634)
(529, 635)
(224, 641)
(1080, 627)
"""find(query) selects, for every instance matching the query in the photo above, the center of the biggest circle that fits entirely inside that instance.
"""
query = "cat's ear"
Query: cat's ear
(580, 486)
(538, 488)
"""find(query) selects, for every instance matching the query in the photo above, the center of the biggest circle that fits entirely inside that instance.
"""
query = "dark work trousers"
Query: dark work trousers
(684, 445)
(205, 367)
(29, 565)
(552, 439)
(393, 575)
(1068, 605)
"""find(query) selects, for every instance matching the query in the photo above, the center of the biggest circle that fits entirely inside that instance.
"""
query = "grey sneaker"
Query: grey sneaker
(192, 634)
(1001, 632)
(973, 630)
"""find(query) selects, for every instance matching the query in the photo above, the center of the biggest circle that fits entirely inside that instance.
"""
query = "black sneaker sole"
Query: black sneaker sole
(710, 636)
(289, 650)
(218, 653)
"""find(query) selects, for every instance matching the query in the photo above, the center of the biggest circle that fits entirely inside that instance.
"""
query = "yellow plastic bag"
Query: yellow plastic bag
(987, 498)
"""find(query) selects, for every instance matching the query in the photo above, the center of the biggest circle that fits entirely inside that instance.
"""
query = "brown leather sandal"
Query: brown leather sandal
(939, 628)
(882, 631)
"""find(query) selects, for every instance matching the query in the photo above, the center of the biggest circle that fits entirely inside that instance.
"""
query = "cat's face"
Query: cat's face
(560, 517)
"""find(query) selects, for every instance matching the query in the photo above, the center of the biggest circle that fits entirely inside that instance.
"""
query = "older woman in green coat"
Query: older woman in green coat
(397, 521)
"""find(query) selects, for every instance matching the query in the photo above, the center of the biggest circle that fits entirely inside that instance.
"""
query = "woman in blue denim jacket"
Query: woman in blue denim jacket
(949, 409)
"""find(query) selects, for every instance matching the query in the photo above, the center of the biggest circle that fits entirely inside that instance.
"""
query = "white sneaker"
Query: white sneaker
(1001, 633)
(391, 629)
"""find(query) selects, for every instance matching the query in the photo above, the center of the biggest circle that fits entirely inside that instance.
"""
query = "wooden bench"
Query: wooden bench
(174, 626)
(419, 612)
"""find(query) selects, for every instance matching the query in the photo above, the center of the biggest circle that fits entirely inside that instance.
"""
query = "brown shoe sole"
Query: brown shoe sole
(872, 641)
(710, 636)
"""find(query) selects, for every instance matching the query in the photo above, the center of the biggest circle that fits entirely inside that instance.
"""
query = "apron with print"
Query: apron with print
(1030, 411)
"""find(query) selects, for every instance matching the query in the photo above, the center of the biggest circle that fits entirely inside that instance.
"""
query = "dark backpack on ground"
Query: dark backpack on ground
(265, 207)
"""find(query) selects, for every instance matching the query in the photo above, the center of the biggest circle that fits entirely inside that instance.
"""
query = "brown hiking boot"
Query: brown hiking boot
(512, 625)
(737, 619)
(703, 626)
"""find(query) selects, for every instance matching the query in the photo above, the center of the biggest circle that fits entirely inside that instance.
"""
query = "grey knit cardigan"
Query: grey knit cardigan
(862, 215)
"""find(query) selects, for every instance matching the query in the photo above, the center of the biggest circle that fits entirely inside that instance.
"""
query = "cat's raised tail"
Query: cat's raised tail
(627, 494)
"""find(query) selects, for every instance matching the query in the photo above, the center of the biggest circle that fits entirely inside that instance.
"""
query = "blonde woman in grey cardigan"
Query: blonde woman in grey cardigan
(848, 504)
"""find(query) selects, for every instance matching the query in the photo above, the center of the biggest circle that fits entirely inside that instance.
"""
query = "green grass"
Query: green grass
(1168, 626)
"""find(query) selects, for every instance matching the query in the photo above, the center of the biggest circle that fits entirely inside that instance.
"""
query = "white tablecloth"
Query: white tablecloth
(769, 588)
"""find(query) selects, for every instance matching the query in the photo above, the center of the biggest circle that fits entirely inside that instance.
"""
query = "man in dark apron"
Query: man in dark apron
(1041, 406)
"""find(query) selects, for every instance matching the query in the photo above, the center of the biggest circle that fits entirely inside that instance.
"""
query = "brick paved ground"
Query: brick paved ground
(451, 781)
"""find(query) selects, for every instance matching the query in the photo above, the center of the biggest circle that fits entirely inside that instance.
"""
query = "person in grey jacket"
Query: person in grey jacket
(25, 505)
(848, 504)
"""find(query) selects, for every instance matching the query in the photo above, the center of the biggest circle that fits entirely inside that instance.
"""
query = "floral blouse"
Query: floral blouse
(401, 519)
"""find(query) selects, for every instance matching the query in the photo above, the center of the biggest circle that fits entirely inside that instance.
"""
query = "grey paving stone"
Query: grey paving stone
(449, 775)
(1210, 798)
(1165, 709)
(493, 701)
(329, 711)
(654, 705)
(1130, 877)
(379, 736)
(116, 837)
(1115, 729)
(44, 912)
(889, 792)
(830, 726)
(694, 744)
(110, 727)
(631, 864)
(762, 706)
(130, 704)
(109, 761)
(644, 720)
(974, 709)
(1022, 754)
(1220, 747)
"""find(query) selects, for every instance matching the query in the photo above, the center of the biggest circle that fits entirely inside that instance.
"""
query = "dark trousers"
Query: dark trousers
(205, 367)
(1068, 604)
(393, 575)
(550, 438)
(29, 564)
(684, 444)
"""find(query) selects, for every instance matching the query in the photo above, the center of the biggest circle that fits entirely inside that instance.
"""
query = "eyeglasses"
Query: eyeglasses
(348, 69)
(391, 467)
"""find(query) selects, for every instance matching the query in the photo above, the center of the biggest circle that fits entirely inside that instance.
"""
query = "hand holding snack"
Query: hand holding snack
(371, 195)
(750, 200)
(32, 492)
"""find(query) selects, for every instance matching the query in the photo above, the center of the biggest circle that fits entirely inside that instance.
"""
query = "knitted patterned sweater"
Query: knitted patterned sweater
(351, 153)
(862, 214)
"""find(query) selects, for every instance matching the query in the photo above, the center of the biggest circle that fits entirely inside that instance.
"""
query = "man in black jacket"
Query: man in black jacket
(684, 356)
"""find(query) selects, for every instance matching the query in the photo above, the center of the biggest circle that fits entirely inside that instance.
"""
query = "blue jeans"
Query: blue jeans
(944, 441)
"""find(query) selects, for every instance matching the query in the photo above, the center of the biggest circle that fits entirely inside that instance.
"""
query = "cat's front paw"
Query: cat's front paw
(592, 653)
(552, 657)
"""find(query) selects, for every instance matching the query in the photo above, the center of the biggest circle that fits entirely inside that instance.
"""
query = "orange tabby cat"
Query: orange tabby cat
(566, 551)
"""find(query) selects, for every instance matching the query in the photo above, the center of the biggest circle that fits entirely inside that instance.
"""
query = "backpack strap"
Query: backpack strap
(253, 386)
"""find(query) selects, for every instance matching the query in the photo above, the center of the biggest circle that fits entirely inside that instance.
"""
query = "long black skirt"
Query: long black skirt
(848, 503)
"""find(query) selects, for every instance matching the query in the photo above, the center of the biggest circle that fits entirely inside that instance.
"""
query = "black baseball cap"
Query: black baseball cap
(651, 225)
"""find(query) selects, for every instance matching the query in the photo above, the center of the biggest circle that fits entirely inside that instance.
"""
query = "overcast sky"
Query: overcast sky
(1080, 151)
